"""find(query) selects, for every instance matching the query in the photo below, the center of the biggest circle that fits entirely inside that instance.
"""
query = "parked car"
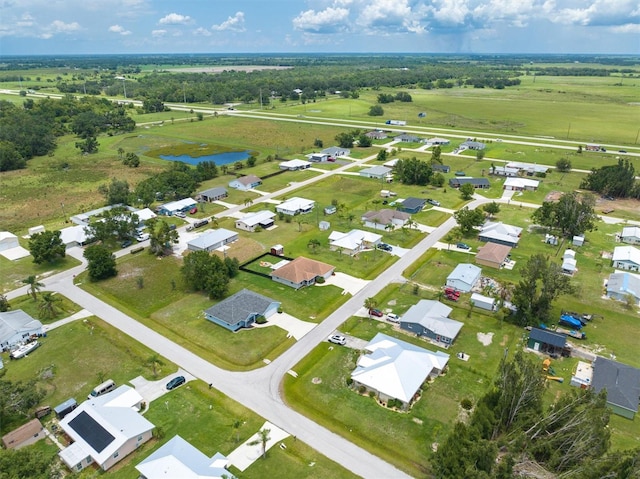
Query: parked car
(142, 237)
(175, 382)
(433, 202)
(338, 339)
(622, 151)
(385, 247)
(451, 292)
(463, 246)
(393, 318)
(126, 243)
(376, 312)
(180, 214)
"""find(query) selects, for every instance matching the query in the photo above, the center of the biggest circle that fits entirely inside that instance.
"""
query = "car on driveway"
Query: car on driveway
(385, 247)
(393, 318)
(376, 312)
(433, 202)
(463, 246)
(179, 214)
(338, 339)
(175, 382)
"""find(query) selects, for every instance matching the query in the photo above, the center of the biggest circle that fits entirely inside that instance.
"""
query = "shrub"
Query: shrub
(349, 381)
(320, 280)
(372, 394)
(261, 319)
(466, 404)
(362, 389)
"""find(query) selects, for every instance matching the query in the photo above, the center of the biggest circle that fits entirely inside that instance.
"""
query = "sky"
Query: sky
(55, 27)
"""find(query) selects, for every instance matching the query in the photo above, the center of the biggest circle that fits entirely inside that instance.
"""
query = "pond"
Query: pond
(218, 158)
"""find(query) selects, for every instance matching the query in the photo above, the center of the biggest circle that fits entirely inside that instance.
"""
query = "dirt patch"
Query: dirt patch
(504, 340)
(485, 338)
(316, 380)
(553, 196)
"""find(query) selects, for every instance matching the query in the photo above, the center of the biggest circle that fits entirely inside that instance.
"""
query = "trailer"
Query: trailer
(571, 332)
(396, 122)
(570, 321)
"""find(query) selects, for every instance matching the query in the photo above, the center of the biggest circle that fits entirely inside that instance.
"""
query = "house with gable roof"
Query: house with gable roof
(394, 369)
(296, 206)
(213, 194)
(501, 233)
(464, 276)
(211, 240)
(245, 183)
(630, 234)
(241, 310)
(429, 318)
(626, 257)
(377, 172)
(25, 435)
(263, 219)
(302, 272)
(622, 383)
(354, 241)
(412, 205)
(621, 285)
(17, 327)
(379, 220)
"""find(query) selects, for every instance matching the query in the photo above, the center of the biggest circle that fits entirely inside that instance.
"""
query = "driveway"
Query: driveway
(151, 390)
(247, 453)
(292, 325)
(347, 283)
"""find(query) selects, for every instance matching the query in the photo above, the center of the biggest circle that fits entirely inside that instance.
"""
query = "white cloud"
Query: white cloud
(627, 28)
(234, 24)
(332, 19)
(58, 26)
(158, 33)
(119, 29)
(175, 19)
(202, 32)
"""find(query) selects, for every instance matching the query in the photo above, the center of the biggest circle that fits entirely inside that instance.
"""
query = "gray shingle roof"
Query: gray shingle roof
(240, 306)
(622, 382)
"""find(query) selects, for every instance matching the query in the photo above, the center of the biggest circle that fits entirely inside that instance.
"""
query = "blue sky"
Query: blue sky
(273, 26)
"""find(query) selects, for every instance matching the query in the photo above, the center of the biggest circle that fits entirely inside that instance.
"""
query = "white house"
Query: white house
(318, 157)
(464, 277)
(74, 236)
(250, 221)
(620, 285)
(504, 171)
(380, 220)
(105, 429)
(144, 215)
(377, 172)
(438, 141)
(295, 206)
(179, 459)
(626, 257)
(498, 232)
(211, 240)
(17, 327)
(630, 234)
(245, 183)
(293, 165)
(180, 206)
(353, 242)
(520, 184)
(395, 369)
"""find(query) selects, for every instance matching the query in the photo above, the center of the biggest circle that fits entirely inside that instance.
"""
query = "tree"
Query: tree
(370, 304)
(491, 209)
(468, 219)
(572, 215)
(4, 304)
(88, 145)
(251, 161)
(612, 180)
(376, 110)
(131, 160)
(117, 224)
(17, 399)
(46, 247)
(436, 155)
(263, 439)
(318, 143)
(232, 266)
(382, 155)
(161, 237)
(479, 155)
(34, 286)
(364, 141)
(26, 462)
(154, 361)
(345, 140)
(237, 423)
(204, 272)
(563, 165)
(10, 157)
(466, 191)
(413, 172)
(313, 244)
(116, 192)
(48, 308)
(101, 263)
(542, 282)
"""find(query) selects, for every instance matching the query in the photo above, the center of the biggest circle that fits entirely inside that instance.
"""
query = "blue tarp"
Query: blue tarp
(570, 321)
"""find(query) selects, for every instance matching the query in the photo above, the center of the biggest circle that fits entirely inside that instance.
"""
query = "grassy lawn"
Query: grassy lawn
(13, 272)
(65, 307)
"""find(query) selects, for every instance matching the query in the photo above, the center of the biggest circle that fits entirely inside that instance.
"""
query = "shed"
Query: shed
(36, 229)
(324, 225)
(578, 240)
(8, 240)
(65, 408)
(483, 302)
(277, 250)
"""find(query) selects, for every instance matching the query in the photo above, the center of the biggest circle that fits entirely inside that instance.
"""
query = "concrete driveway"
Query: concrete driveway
(151, 390)
(292, 325)
(348, 283)
(247, 453)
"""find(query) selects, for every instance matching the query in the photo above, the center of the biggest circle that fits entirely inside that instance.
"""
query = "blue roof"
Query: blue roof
(548, 337)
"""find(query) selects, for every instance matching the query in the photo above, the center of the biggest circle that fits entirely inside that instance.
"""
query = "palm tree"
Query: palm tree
(120, 153)
(390, 227)
(263, 438)
(313, 244)
(34, 286)
(154, 361)
(449, 238)
(47, 306)
(236, 425)
(369, 304)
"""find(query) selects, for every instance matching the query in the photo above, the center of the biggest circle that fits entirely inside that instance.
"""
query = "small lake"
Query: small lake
(218, 159)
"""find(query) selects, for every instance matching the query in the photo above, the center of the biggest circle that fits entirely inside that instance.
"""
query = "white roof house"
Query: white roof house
(105, 429)
(145, 214)
(396, 369)
(174, 207)
(429, 318)
(569, 265)
(212, 239)
(520, 184)
(529, 168)
(295, 205)
(293, 165)
(380, 219)
(251, 221)
(630, 234)
(353, 241)
(464, 277)
(16, 327)
(74, 236)
(378, 172)
(498, 232)
(179, 459)
(626, 257)
(619, 285)
(569, 254)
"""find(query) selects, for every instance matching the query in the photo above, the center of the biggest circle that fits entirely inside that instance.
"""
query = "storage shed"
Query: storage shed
(483, 302)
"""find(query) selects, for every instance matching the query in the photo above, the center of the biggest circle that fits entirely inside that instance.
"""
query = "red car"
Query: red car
(375, 312)
(452, 292)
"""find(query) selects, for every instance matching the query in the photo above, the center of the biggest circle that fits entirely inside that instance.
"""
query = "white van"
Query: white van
(393, 318)
(107, 386)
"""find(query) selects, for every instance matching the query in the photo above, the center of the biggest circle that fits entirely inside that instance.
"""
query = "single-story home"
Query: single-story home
(473, 145)
(622, 383)
(293, 165)
(318, 157)
(391, 163)
(619, 285)
(394, 369)
(8, 240)
(73, 236)
(498, 232)
(547, 341)
(17, 327)
(379, 220)
(520, 184)
(464, 277)
(105, 429)
(241, 310)
(245, 183)
(144, 215)
(483, 302)
(177, 458)
(412, 205)
(407, 138)
(630, 234)
(429, 318)
(180, 206)
(211, 240)
(336, 151)
(25, 435)
(440, 168)
(377, 172)
(353, 242)
(493, 255)
(213, 194)
(376, 135)
(296, 206)
(302, 272)
(438, 141)
(527, 168)
(263, 219)
(458, 181)
(626, 257)
(503, 171)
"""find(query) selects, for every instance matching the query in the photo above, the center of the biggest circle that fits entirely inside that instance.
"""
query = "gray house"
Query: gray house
(412, 205)
(212, 239)
(477, 183)
(213, 194)
(473, 145)
(546, 341)
(241, 310)
(430, 319)
(622, 383)
(17, 327)
(620, 285)
(464, 277)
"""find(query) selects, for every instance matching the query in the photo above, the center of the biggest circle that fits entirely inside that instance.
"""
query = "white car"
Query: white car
(338, 339)
(142, 237)
(393, 318)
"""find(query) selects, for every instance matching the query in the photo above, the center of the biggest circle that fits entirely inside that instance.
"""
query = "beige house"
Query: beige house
(25, 435)
(302, 272)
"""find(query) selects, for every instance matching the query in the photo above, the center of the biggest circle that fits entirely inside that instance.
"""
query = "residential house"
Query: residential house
(241, 310)
(213, 194)
(8, 240)
(353, 242)
(412, 205)
(263, 219)
(528, 169)
(498, 232)
(429, 319)
(318, 157)
(623, 285)
(73, 236)
(626, 257)
(378, 172)
(483, 302)
(478, 183)
(179, 459)
(144, 215)
(336, 151)
(302, 272)
(180, 206)
(296, 206)
(440, 168)
(630, 234)
(105, 429)
(546, 341)
(504, 171)
(473, 145)
(25, 435)
(464, 277)
(380, 220)
(406, 138)
(17, 327)
(394, 369)
(376, 135)
(493, 255)
(438, 141)
(245, 183)
(293, 165)
(520, 184)
(622, 383)
(211, 240)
